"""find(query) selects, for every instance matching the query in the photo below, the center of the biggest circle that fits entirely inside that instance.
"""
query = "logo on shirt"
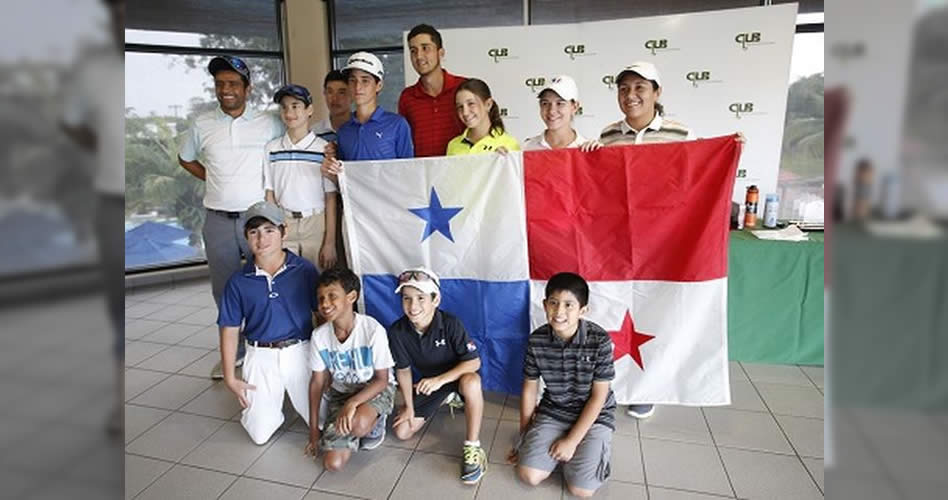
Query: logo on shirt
(273, 295)
(471, 347)
(441, 343)
(378, 134)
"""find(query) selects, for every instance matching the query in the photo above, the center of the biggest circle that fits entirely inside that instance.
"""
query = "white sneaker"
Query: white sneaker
(640, 411)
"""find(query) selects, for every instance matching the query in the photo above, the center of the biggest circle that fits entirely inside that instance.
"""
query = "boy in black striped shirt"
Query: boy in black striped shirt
(574, 422)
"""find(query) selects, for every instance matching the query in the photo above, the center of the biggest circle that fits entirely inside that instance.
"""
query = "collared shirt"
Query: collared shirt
(434, 121)
(441, 348)
(385, 136)
(291, 171)
(460, 145)
(323, 129)
(569, 369)
(92, 101)
(231, 149)
(538, 142)
(658, 130)
(274, 308)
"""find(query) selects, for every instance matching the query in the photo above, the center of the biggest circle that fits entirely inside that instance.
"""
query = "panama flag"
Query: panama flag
(647, 226)
(462, 217)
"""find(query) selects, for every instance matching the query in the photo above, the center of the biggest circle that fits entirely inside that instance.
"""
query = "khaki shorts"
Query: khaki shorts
(332, 440)
(588, 468)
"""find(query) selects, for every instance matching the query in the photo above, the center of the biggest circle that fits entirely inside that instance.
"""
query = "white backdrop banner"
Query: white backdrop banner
(722, 71)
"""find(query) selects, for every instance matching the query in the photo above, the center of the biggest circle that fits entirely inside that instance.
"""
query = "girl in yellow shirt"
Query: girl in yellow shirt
(478, 111)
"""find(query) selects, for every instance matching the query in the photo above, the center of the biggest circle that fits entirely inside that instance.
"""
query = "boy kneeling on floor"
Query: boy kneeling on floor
(575, 419)
(349, 353)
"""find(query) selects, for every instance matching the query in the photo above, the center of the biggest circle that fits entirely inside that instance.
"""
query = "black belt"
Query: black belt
(280, 344)
(297, 215)
(225, 213)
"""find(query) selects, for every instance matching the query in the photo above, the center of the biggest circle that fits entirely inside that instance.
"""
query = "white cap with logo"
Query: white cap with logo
(419, 277)
(564, 86)
(366, 61)
(644, 69)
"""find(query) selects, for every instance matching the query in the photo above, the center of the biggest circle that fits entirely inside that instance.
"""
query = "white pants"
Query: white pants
(273, 372)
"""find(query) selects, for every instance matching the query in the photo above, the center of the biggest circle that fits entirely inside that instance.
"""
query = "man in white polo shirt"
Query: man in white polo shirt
(225, 148)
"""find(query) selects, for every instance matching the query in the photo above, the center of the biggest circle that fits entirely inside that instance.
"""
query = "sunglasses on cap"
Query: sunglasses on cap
(416, 275)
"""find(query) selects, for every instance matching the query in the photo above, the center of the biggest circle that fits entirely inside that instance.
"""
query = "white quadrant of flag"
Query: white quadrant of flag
(685, 360)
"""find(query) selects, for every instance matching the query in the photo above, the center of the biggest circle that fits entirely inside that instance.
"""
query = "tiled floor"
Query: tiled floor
(183, 439)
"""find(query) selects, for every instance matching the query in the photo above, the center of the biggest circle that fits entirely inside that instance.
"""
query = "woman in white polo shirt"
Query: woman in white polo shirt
(559, 103)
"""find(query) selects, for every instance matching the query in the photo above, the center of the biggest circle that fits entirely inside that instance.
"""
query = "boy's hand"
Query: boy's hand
(502, 150)
(590, 145)
(239, 388)
(312, 447)
(563, 449)
(405, 415)
(331, 167)
(513, 456)
(327, 255)
(344, 421)
(428, 385)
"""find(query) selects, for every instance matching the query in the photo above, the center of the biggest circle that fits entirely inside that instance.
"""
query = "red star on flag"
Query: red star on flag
(628, 341)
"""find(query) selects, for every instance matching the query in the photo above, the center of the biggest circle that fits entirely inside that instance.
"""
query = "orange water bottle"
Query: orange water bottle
(750, 204)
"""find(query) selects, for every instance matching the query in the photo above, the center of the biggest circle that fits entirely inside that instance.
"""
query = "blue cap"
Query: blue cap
(298, 91)
(230, 63)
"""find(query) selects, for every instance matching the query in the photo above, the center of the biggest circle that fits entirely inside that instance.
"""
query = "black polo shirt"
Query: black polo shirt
(440, 349)
(569, 369)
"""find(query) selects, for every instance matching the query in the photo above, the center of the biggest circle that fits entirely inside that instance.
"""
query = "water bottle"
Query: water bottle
(771, 205)
(750, 206)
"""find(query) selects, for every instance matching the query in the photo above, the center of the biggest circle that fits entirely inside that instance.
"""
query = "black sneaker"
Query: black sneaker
(474, 465)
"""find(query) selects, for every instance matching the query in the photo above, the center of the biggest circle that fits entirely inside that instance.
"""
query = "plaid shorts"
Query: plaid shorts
(332, 440)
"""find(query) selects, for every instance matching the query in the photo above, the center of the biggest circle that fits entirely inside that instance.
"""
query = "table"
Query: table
(775, 300)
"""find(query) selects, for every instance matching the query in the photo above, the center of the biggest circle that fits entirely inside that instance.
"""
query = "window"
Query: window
(800, 179)
(166, 85)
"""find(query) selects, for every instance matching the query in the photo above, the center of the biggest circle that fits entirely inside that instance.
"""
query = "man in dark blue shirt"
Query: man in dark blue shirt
(435, 345)
(274, 297)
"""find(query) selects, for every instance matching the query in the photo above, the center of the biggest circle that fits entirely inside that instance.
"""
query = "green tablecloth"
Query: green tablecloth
(775, 300)
(889, 335)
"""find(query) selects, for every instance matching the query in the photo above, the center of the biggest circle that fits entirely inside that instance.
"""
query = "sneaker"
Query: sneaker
(217, 373)
(454, 402)
(640, 411)
(374, 438)
(474, 465)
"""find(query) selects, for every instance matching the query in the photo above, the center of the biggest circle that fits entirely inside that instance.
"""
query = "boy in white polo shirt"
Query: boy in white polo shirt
(292, 180)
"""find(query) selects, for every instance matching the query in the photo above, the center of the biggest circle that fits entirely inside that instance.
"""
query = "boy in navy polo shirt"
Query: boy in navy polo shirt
(574, 422)
(372, 133)
(273, 296)
(435, 345)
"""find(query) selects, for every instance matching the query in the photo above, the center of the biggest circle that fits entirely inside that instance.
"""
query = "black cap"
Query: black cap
(298, 91)
(230, 63)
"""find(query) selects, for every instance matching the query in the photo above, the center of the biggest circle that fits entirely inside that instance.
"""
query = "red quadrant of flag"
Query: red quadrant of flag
(645, 212)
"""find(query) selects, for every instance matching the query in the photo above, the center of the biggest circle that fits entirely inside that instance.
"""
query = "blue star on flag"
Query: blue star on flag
(437, 218)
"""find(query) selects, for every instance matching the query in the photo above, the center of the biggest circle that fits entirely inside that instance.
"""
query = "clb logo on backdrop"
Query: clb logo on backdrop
(741, 109)
(609, 81)
(750, 39)
(658, 45)
(848, 51)
(577, 50)
(533, 83)
(500, 53)
(700, 77)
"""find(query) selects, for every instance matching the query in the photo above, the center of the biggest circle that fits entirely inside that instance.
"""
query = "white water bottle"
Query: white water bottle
(771, 204)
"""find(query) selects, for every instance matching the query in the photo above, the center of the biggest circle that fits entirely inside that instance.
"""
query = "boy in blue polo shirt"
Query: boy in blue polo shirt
(435, 345)
(372, 133)
(273, 296)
